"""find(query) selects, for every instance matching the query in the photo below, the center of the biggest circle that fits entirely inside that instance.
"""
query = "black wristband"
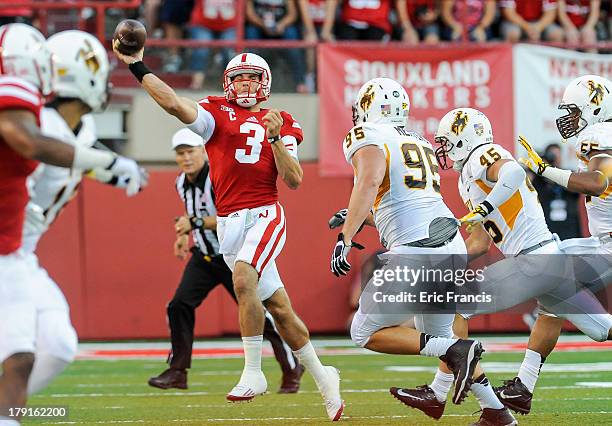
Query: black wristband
(139, 69)
(488, 205)
(273, 139)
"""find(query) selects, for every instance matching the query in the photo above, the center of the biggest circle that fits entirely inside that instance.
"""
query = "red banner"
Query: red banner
(437, 80)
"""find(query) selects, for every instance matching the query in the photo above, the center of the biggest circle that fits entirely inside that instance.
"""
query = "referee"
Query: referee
(205, 269)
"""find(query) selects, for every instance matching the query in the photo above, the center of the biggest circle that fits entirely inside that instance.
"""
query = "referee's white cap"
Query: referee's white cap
(186, 137)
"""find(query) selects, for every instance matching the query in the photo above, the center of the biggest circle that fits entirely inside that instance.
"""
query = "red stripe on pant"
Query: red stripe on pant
(278, 238)
(266, 236)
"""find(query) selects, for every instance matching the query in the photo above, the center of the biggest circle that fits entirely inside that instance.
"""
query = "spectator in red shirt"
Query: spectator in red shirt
(473, 16)
(359, 20)
(530, 19)
(16, 14)
(419, 20)
(579, 18)
(210, 20)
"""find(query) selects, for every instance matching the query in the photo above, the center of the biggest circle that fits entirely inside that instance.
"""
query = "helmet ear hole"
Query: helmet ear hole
(460, 144)
(596, 112)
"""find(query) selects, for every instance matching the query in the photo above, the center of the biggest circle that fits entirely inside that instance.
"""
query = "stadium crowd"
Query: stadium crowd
(576, 22)
(410, 21)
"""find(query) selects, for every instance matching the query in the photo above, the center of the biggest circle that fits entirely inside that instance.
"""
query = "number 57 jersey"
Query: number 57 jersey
(408, 198)
(518, 223)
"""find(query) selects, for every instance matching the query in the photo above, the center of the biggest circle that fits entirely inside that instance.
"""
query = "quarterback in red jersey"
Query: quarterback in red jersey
(26, 76)
(248, 146)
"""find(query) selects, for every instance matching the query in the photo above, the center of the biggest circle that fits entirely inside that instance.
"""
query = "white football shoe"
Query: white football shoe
(250, 385)
(330, 390)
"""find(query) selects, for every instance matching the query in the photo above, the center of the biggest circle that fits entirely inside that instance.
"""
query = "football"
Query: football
(131, 35)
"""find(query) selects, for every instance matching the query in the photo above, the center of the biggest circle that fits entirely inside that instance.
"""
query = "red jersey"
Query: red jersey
(469, 12)
(374, 13)
(530, 10)
(216, 15)
(242, 167)
(16, 10)
(316, 8)
(15, 94)
(578, 11)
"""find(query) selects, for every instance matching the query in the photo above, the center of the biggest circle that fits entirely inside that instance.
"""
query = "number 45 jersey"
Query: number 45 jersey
(408, 198)
(242, 167)
(518, 223)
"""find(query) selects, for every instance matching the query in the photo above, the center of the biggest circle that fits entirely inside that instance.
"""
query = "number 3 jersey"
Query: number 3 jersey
(408, 198)
(597, 137)
(518, 223)
(242, 167)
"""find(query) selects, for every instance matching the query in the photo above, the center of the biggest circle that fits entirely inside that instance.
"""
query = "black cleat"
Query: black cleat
(291, 380)
(496, 417)
(422, 398)
(170, 378)
(515, 395)
(462, 358)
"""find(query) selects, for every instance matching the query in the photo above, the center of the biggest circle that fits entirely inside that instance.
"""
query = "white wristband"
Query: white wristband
(90, 158)
(558, 176)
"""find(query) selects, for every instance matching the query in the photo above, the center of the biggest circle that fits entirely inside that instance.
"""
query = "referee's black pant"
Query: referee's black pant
(201, 275)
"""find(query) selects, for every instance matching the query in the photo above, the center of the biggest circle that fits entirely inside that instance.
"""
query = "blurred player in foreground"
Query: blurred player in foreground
(205, 268)
(588, 102)
(397, 179)
(81, 87)
(516, 225)
(25, 78)
(248, 147)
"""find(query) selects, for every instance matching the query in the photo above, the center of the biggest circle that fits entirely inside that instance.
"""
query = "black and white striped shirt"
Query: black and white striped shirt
(199, 201)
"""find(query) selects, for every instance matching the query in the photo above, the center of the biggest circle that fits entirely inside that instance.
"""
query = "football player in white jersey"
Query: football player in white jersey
(588, 101)
(396, 177)
(82, 73)
(504, 209)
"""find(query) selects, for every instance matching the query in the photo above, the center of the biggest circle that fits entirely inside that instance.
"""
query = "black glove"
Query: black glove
(338, 219)
(339, 263)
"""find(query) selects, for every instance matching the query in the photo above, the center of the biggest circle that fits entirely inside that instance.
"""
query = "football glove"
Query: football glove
(136, 177)
(339, 262)
(477, 215)
(338, 218)
(535, 163)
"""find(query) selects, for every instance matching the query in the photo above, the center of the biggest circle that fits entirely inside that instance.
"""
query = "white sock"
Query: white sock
(530, 369)
(46, 368)
(441, 384)
(482, 390)
(252, 353)
(309, 359)
(436, 346)
(7, 421)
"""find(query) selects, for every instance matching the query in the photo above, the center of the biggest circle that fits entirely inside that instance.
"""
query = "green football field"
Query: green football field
(575, 388)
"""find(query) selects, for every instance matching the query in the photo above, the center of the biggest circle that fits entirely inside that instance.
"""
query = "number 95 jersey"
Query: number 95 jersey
(518, 223)
(597, 137)
(408, 198)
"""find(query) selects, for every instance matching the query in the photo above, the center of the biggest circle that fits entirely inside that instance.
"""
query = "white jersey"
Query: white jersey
(518, 223)
(52, 187)
(409, 197)
(599, 209)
